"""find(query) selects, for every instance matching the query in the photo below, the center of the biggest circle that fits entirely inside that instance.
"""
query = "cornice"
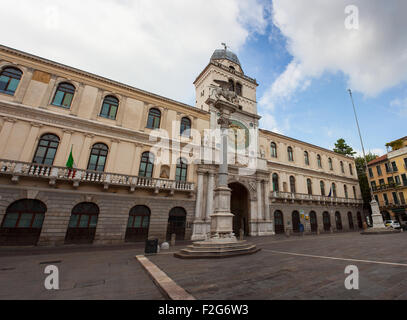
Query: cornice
(81, 73)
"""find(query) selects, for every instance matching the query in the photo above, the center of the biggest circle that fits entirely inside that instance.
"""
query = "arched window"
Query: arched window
(342, 169)
(322, 185)
(273, 150)
(238, 89)
(181, 170)
(354, 192)
(295, 216)
(9, 80)
(97, 158)
(345, 190)
(309, 186)
(154, 118)
(109, 107)
(292, 184)
(360, 222)
(330, 164)
(338, 220)
(327, 221)
(350, 169)
(313, 221)
(275, 182)
(333, 190)
(138, 223)
(231, 85)
(64, 95)
(278, 222)
(319, 161)
(176, 223)
(306, 158)
(82, 224)
(146, 165)
(46, 149)
(350, 220)
(185, 128)
(22, 222)
(290, 154)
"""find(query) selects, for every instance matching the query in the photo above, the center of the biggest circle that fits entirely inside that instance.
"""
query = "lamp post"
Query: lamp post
(376, 215)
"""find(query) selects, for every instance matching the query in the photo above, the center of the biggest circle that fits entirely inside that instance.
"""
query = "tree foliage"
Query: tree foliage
(363, 180)
(342, 148)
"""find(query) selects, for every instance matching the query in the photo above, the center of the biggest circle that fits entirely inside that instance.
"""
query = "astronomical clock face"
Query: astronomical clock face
(238, 135)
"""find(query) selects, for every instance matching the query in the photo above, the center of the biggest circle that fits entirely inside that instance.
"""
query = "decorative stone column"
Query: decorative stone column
(198, 232)
(209, 201)
(30, 142)
(5, 133)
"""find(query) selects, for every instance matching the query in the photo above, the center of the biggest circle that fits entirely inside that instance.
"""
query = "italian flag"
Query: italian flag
(70, 164)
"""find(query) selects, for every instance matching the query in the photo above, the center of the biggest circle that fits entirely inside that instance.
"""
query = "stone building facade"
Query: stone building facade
(139, 164)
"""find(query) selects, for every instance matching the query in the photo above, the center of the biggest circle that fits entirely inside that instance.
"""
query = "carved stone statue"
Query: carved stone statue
(223, 91)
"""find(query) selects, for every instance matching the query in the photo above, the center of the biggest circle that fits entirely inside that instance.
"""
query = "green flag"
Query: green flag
(70, 163)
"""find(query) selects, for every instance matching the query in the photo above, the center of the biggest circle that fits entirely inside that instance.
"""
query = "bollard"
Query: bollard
(332, 230)
(241, 234)
(318, 232)
(287, 232)
(173, 239)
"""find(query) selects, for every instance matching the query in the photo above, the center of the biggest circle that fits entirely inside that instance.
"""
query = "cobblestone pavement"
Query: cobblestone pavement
(285, 268)
(275, 273)
(102, 273)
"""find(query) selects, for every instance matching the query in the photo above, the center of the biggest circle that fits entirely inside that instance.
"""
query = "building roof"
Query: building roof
(220, 54)
(377, 160)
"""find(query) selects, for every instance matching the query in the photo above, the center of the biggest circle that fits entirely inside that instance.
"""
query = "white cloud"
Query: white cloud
(159, 46)
(269, 122)
(374, 57)
(399, 106)
(377, 151)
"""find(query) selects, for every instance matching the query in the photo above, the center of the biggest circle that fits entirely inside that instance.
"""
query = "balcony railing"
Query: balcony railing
(392, 205)
(309, 197)
(381, 187)
(19, 169)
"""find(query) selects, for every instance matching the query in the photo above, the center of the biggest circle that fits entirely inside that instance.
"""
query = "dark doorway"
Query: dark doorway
(386, 215)
(239, 206)
(278, 222)
(296, 221)
(327, 221)
(338, 220)
(138, 223)
(360, 223)
(350, 220)
(176, 223)
(82, 224)
(22, 222)
(313, 221)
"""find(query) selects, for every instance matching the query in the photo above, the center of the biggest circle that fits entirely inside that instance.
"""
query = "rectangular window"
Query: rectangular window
(377, 199)
(402, 200)
(390, 180)
(395, 199)
(398, 182)
(381, 182)
(58, 98)
(379, 170)
(3, 83)
(394, 165)
(386, 200)
(386, 165)
(373, 184)
(405, 163)
(370, 173)
(404, 178)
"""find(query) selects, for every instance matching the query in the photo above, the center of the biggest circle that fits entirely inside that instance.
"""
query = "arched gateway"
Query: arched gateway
(239, 206)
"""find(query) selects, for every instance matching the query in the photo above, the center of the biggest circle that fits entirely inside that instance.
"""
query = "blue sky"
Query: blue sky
(300, 52)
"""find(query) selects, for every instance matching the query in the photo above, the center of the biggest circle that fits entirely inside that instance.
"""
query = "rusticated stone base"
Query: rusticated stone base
(216, 249)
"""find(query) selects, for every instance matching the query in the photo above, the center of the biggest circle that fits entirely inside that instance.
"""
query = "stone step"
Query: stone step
(209, 248)
(217, 244)
(217, 250)
(215, 255)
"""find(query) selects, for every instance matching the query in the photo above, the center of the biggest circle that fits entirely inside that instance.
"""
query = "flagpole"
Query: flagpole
(377, 217)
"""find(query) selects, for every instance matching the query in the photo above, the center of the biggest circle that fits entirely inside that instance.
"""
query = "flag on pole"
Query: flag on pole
(330, 190)
(70, 164)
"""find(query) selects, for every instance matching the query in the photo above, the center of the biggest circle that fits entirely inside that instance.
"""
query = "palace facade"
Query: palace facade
(115, 190)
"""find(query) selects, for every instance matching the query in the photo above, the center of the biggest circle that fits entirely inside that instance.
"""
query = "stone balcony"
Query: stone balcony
(302, 197)
(55, 174)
